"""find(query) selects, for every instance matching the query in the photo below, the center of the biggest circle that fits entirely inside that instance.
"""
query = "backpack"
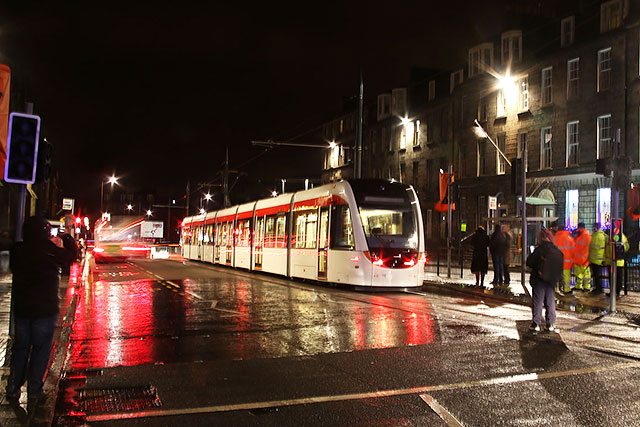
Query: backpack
(551, 265)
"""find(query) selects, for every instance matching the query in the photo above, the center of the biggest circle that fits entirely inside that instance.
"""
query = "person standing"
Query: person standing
(479, 260)
(507, 254)
(497, 246)
(596, 257)
(581, 259)
(546, 263)
(34, 265)
(608, 262)
(566, 244)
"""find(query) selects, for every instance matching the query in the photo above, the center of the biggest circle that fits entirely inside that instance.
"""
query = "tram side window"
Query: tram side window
(244, 232)
(270, 232)
(281, 230)
(305, 225)
(341, 228)
(259, 232)
(200, 235)
(208, 235)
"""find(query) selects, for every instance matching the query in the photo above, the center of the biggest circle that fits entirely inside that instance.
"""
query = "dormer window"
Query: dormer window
(512, 46)
(567, 28)
(480, 58)
(610, 15)
(384, 106)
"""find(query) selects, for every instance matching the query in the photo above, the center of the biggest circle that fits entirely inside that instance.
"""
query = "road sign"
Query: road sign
(493, 202)
(67, 204)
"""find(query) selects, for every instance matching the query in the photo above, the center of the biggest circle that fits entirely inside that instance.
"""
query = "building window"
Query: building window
(546, 88)
(501, 104)
(480, 58)
(384, 106)
(432, 90)
(481, 146)
(604, 69)
(603, 211)
(524, 93)
(511, 47)
(399, 102)
(567, 27)
(571, 212)
(522, 142)
(573, 78)
(610, 15)
(545, 148)
(482, 109)
(573, 145)
(604, 136)
(403, 136)
(501, 141)
(456, 80)
(416, 133)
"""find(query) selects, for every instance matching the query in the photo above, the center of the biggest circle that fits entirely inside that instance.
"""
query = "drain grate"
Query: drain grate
(119, 399)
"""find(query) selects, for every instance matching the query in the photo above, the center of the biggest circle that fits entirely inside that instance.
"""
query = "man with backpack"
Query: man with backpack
(546, 263)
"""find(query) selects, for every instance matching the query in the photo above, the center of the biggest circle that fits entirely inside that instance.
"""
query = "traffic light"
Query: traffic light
(43, 170)
(516, 176)
(616, 230)
(22, 148)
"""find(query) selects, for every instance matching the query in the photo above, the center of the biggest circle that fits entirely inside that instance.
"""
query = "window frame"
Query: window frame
(546, 88)
(602, 71)
(524, 98)
(501, 164)
(608, 21)
(600, 142)
(573, 140)
(454, 81)
(507, 54)
(573, 78)
(546, 153)
(416, 133)
(572, 26)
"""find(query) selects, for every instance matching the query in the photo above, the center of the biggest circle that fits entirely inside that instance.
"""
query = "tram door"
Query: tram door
(259, 239)
(200, 242)
(229, 243)
(323, 242)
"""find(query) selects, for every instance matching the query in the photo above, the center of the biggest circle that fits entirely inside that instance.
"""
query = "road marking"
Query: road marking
(356, 396)
(446, 416)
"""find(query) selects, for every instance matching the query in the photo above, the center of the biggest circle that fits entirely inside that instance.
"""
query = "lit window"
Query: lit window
(603, 214)
(571, 212)
(610, 15)
(524, 93)
(501, 104)
(567, 31)
(500, 161)
(573, 145)
(604, 136)
(512, 47)
(573, 77)
(547, 85)
(604, 69)
(545, 148)
(403, 137)
(522, 142)
(416, 133)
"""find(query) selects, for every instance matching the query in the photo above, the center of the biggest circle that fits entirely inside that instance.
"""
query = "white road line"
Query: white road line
(446, 416)
(355, 396)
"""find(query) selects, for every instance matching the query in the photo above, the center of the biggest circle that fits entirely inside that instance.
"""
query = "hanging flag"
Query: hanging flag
(5, 84)
(442, 205)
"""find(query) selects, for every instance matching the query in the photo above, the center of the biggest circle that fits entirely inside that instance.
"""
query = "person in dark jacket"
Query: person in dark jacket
(479, 260)
(543, 292)
(34, 265)
(498, 246)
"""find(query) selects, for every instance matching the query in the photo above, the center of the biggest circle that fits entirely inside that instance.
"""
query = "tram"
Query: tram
(366, 233)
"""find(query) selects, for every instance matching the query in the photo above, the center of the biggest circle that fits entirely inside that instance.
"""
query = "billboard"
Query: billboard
(152, 229)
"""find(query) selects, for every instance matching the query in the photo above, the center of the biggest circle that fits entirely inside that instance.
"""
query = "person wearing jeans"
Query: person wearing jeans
(34, 266)
(543, 291)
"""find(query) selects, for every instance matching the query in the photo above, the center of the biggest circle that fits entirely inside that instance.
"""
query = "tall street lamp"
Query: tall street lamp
(111, 180)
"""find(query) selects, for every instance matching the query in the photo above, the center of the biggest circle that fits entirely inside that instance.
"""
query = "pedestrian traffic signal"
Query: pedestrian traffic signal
(516, 176)
(616, 230)
(22, 148)
(43, 169)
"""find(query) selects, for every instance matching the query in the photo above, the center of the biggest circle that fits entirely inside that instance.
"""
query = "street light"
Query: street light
(129, 208)
(110, 180)
(149, 212)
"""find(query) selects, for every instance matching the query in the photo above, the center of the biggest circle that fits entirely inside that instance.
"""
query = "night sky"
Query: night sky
(155, 92)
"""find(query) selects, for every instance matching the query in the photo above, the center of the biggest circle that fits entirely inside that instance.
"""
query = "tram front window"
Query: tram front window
(389, 227)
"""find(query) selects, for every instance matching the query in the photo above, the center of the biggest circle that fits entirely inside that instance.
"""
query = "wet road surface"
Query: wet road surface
(165, 343)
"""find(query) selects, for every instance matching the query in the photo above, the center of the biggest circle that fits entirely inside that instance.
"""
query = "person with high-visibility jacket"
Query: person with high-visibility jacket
(567, 245)
(599, 240)
(608, 258)
(581, 259)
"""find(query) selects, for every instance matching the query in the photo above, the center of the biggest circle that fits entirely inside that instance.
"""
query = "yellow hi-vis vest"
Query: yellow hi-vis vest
(596, 247)
(608, 252)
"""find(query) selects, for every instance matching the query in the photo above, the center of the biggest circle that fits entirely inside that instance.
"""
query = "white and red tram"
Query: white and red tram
(367, 233)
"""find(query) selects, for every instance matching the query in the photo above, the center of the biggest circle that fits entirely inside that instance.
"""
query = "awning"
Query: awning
(538, 201)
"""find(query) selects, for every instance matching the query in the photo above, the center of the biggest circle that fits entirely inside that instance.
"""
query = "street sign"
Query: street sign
(67, 204)
(152, 229)
(493, 202)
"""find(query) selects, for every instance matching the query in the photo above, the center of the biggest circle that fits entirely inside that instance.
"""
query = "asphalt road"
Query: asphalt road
(165, 343)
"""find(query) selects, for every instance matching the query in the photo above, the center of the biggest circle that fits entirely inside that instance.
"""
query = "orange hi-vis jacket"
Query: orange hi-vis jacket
(565, 243)
(581, 253)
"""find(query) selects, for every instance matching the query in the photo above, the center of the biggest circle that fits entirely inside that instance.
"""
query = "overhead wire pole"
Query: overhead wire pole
(358, 156)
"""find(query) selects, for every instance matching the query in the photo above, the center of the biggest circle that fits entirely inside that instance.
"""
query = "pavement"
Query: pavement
(628, 309)
(578, 302)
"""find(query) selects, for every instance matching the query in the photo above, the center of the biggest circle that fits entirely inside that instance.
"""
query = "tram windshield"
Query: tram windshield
(387, 213)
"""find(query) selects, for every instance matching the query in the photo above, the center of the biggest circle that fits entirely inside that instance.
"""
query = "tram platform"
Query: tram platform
(578, 301)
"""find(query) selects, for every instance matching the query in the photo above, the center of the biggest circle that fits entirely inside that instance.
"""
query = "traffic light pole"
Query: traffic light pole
(615, 197)
(523, 244)
(449, 219)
